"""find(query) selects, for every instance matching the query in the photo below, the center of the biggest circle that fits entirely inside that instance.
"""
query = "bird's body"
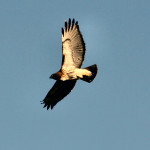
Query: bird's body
(73, 51)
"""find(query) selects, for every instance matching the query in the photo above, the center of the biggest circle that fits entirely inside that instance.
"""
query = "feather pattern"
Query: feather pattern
(73, 46)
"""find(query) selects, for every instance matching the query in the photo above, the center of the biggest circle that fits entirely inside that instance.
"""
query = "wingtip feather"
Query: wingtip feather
(69, 24)
(65, 25)
(73, 21)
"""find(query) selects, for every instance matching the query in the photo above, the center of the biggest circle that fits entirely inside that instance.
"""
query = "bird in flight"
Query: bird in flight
(73, 51)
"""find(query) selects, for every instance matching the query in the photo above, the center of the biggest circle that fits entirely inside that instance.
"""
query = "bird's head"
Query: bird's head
(56, 76)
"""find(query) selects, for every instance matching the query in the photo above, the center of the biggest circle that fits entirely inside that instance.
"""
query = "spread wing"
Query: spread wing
(58, 92)
(73, 46)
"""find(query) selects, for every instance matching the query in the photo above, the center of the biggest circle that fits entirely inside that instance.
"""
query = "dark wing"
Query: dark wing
(58, 92)
(73, 45)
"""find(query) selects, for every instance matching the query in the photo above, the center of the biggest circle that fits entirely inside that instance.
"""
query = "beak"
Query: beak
(51, 77)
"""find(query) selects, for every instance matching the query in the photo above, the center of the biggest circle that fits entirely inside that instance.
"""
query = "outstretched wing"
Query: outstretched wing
(58, 92)
(73, 45)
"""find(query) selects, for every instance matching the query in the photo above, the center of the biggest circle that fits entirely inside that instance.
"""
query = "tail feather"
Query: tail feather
(93, 70)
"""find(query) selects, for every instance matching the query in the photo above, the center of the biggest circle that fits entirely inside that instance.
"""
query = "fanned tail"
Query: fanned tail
(93, 70)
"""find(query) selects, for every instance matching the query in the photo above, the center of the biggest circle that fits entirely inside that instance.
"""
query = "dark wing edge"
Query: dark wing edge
(59, 90)
(72, 32)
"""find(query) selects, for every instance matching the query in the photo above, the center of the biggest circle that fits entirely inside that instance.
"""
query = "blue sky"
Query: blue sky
(110, 113)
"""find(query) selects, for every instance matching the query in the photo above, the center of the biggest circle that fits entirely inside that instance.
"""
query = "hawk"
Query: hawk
(73, 51)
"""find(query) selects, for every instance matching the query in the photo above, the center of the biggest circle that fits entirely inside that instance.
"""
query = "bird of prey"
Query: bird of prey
(73, 51)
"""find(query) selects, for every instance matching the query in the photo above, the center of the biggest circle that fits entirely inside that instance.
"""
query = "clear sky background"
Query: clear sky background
(111, 113)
